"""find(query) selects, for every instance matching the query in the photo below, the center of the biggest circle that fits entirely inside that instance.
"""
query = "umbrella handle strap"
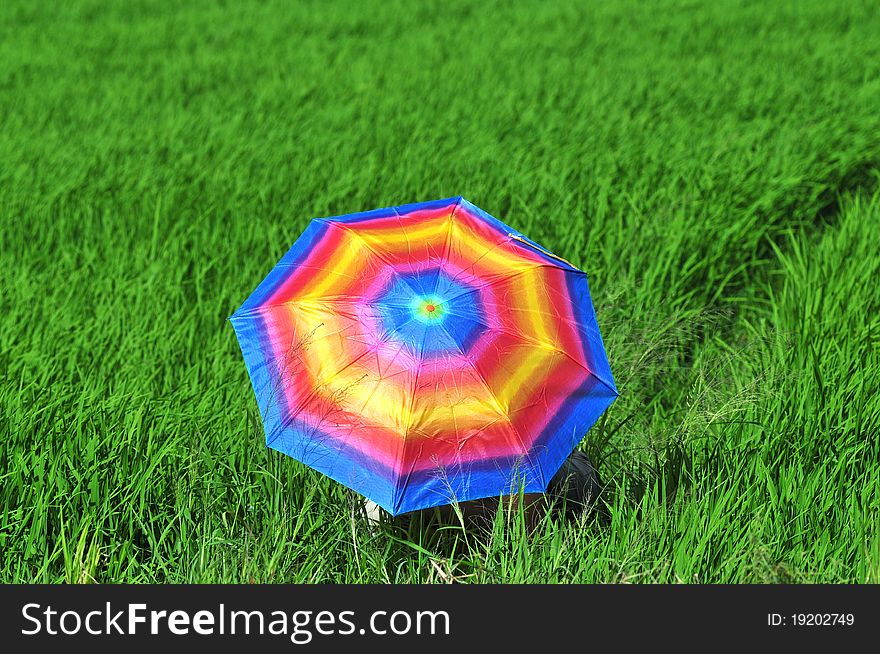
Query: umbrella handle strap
(537, 247)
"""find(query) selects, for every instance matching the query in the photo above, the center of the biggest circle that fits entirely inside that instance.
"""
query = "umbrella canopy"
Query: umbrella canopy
(425, 353)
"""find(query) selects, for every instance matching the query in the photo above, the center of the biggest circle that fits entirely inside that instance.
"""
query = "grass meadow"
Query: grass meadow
(713, 166)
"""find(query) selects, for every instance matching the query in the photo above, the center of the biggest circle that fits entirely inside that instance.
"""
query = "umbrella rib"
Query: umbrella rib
(358, 239)
(518, 273)
(523, 338)
(409, 424)
(495, 401)
(403, 231)
(444, 256)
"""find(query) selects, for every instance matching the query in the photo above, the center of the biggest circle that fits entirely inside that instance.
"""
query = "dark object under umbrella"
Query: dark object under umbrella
(576, 486)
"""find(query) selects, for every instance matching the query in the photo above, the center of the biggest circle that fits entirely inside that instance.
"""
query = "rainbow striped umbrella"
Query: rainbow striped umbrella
(425, 353)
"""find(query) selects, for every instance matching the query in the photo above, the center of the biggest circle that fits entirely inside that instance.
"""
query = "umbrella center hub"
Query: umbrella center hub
(429, 308)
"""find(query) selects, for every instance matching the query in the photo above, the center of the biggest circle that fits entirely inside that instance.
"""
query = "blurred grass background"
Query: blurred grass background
(713, 166)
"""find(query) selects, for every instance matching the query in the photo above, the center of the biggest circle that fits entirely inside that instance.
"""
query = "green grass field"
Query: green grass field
(713, 166)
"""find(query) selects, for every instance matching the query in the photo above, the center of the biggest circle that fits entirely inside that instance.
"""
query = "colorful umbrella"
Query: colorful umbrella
(425, 353)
